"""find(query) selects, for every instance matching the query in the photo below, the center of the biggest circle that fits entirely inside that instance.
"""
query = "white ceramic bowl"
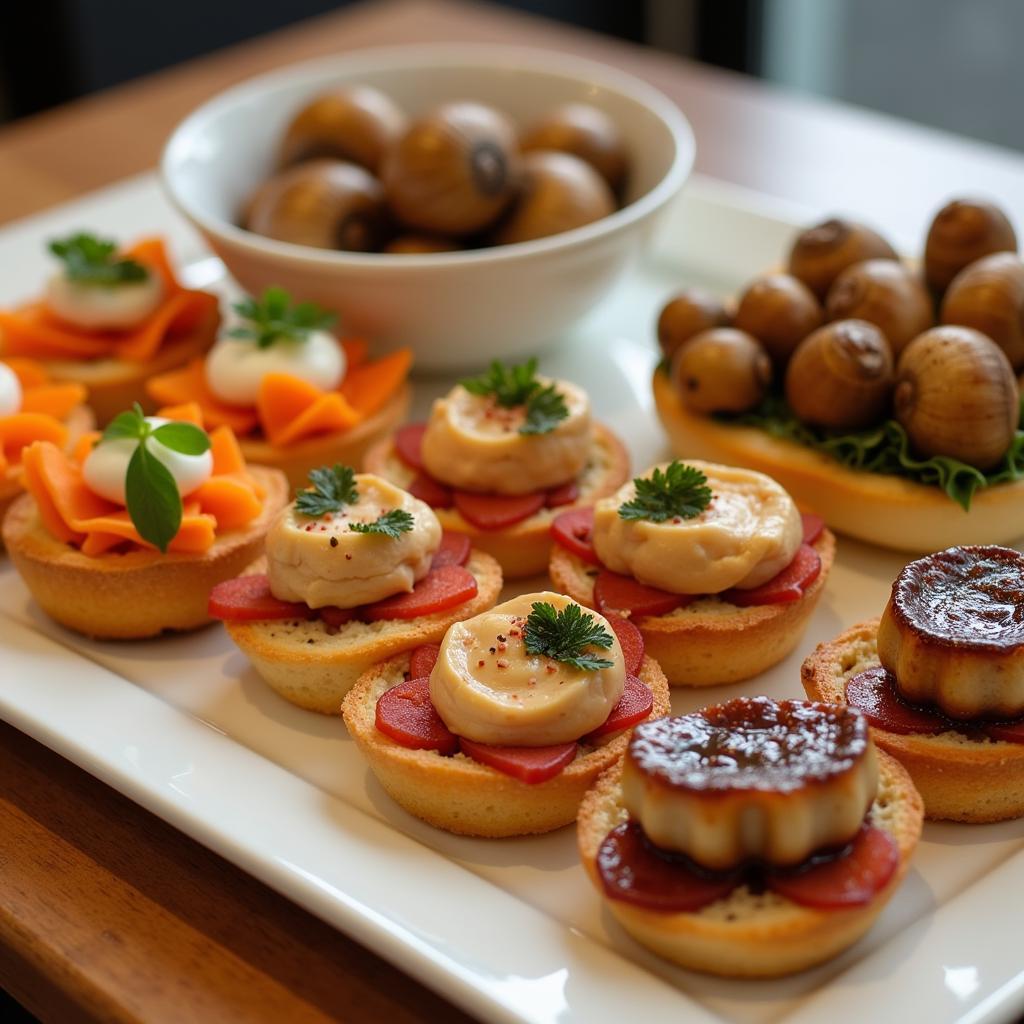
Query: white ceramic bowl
(456, 310)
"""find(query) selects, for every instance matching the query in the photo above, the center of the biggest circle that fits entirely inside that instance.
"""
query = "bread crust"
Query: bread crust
(139, 593)
(313, 666)
(463, 796)
(887, 510)
(747, 935)
(523, 549)
(349, 447)
(115, 384)
(709, 642)
(960, 779)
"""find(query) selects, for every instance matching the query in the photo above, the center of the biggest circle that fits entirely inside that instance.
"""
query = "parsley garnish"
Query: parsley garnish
(563, 635)
(91, 260)
(390, 524)
(151, 494)
(274, 318)
(679, 491)
(333, 488)
(518, 385)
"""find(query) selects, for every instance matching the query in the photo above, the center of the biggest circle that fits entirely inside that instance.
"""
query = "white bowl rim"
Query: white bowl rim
(467, 55)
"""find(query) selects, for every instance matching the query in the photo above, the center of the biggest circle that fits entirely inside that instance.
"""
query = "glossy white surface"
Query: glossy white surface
(511, 930)
(454, 309)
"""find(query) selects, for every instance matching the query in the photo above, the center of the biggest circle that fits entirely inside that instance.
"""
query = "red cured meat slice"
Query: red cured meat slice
(853, 879)
(635, 704)
(574, 531)
(336, 617)
(631, 640)
(813, 527)
(438, 591)
(497, 511)
(873, 692)
(1008, 732)
(422, 660)
(616, 593)
(527, 764)
(248, 598)
(564, 494)
(409, 444)
(454, 550)
(406, 714)
(632, 871)
(427, 489)
(789, 585)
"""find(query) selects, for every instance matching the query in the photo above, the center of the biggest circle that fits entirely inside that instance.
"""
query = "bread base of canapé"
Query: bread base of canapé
(709, 642)
(879, 508)
(138, 593)
(747, 934)
(523, 549)
(116, 384)
(348, 448)
(463, 796)
(79, 421)
(313, 665)
(960, 779)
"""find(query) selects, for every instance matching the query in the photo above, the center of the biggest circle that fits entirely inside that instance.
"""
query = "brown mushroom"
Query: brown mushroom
(821, 253)
(988, 295)
(329, 204)
(780, 311)
(688, 313)
(963, 231)
(840, 377)
(956, 395)
(358, 124)
(454, 171)
(585, 132)
(721, 370)
(886, 294)
(418, 245)
(559, 192)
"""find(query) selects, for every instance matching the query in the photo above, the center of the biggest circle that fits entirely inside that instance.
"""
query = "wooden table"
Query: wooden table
(107, 913)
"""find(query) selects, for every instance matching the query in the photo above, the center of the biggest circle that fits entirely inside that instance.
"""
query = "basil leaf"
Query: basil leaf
(154, 504)
(185, 438)
(125, 424)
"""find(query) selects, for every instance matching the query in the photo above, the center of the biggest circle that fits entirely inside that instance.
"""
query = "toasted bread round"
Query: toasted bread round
(139, 593)
(349, 448)
(880, 508)
(710, 641)
(959, 778)
(522, 549)
(461, 795)
(748, 934)
(115, 384)
(313, 665)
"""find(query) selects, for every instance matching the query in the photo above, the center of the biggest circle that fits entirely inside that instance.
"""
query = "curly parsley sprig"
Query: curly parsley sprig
(391, 524)
(151, 494)
(564, 636)
(678, 491)
(511, 386)
(332, 488)
(274, 317)
(91, 260)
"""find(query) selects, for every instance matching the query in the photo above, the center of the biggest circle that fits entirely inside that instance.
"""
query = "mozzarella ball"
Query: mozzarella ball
(96, 307)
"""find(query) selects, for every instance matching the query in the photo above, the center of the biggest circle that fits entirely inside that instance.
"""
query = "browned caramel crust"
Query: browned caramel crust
(969, 598)
(750, 744)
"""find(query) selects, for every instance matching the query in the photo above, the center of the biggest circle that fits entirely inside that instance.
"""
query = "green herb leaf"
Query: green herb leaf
(152, 497)
(91, 260)
(390, 524)
(185, 438)
(564, 635)
(680, 491)
(518, 385)
(332, 489)
(131, 423)
(274, 318)
(885, 449)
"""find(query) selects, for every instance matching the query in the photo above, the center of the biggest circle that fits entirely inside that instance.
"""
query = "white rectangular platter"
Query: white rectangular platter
(510, 930)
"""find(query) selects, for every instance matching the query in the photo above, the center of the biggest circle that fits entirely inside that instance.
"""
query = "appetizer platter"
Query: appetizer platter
(513, 929)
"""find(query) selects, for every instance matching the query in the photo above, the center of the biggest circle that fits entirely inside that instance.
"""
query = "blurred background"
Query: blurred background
(945, 63)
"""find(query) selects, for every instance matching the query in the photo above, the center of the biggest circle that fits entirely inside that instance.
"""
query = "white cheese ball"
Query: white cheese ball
(10, 391)
(98, 307)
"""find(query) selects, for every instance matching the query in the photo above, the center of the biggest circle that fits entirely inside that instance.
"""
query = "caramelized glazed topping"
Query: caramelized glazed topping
(751, 743)
(966, 597)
